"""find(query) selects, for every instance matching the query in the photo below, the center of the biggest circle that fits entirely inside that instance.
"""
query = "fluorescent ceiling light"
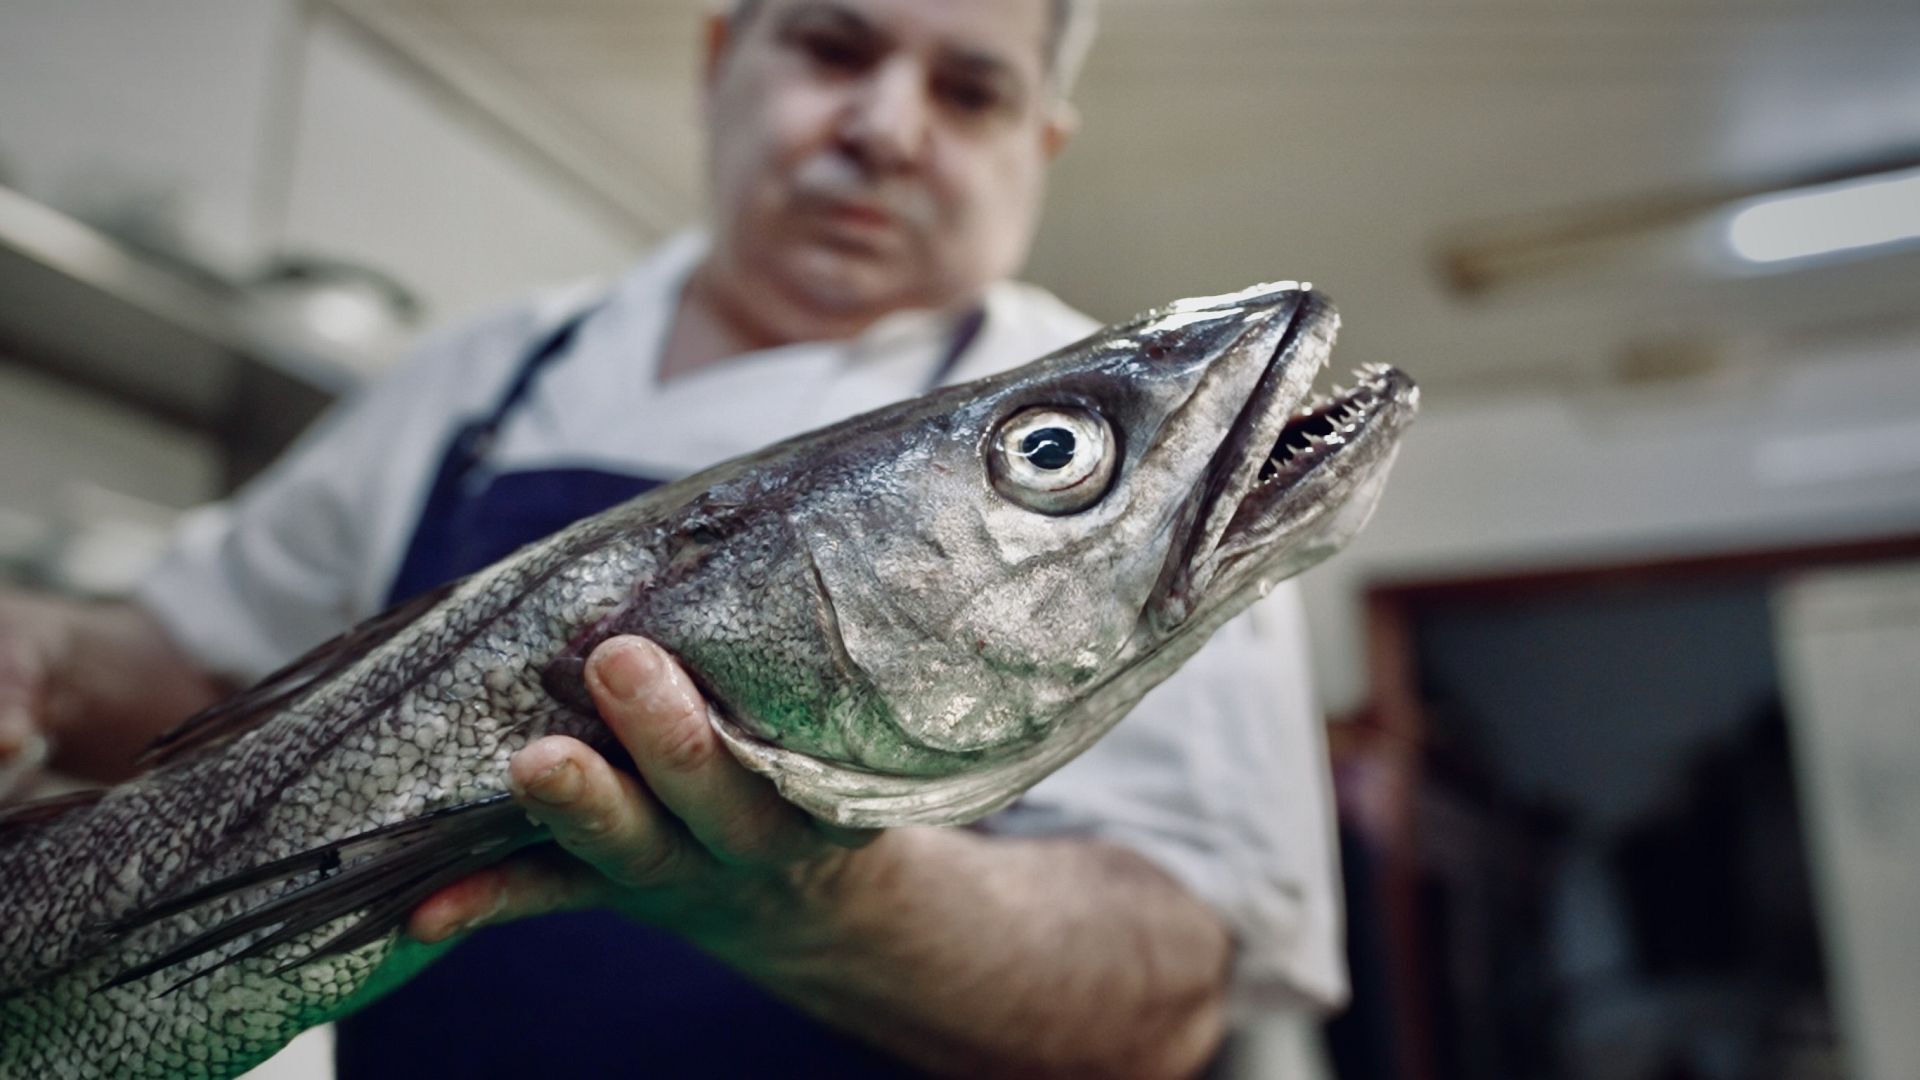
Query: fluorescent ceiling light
(1869, 208)
(1828, 219)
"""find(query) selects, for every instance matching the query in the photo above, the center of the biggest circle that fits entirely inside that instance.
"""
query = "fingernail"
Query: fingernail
(475, 922)
(557, 786)
(631, 669)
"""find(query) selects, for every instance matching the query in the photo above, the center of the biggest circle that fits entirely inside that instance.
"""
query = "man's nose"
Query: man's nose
(885, 124)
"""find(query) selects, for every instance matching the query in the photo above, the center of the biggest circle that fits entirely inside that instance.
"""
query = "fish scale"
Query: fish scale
(893, 625)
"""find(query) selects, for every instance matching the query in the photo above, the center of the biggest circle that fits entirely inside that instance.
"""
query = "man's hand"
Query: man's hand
(85, 687)
(961, 953)
(698, 844)
(25, 656)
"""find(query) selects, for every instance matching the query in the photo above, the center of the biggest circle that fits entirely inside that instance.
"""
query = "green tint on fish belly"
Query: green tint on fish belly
(776, 699)
(408, 957)
(71, 1012)
(123, 1042)
(797, 706)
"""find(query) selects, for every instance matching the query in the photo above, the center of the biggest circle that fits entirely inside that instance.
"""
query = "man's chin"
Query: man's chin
(846, 282)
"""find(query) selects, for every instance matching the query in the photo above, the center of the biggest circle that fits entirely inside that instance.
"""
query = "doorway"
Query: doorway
(1574, 839)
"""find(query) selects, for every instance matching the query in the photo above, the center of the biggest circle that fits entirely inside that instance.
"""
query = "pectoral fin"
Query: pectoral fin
(380, 876)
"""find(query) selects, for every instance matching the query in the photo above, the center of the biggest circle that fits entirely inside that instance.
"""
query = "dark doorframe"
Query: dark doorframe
(1378, 750)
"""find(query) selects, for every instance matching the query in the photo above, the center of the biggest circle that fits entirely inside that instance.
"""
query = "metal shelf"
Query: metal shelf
(78, 305)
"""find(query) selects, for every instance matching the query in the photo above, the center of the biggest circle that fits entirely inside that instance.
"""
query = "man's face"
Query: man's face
(872, 155)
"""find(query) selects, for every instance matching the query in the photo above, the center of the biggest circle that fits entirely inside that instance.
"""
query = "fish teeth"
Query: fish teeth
(1345, 410)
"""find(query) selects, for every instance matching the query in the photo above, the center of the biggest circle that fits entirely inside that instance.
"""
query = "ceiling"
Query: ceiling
(1344, 142)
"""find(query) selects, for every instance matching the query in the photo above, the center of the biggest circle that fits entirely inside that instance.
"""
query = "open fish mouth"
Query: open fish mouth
(1293, 460)
(1318, 437)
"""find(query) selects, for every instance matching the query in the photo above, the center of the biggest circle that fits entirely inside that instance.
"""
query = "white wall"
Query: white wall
(388, 172)
(1822, 449)
(249, 127)
(1848, 644)
(241, 129)
(51, 432)
(166, 104)
(90, 487)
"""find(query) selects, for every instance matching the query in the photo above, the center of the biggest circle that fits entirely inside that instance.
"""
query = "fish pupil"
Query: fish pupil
(1048, 448)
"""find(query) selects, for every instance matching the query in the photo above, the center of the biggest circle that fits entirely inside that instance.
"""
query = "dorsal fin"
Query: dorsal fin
(241, 713)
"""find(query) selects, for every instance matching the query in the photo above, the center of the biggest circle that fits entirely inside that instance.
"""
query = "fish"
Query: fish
(908, 617)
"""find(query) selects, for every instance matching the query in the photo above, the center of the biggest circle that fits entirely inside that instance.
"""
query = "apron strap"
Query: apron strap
(478, 435)
(438, 530)
(443, 530)
(964, 332)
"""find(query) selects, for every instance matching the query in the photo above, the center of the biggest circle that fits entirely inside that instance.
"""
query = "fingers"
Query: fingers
(531, 883)
(16, 724)
(600, 814)
(19, 685)
(669, 834)
(20, 765)
(23, 747)
(613, 831)
(661, 718)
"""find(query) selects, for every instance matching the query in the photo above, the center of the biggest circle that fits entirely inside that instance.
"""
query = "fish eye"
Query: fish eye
(1053, 459)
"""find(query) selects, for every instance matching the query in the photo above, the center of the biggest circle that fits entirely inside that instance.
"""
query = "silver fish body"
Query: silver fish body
(908, 617)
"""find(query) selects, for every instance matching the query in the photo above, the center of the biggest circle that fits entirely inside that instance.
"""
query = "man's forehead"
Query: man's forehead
(1009, 32)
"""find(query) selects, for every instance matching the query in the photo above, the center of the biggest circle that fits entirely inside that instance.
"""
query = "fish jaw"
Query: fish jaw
(1295, 478)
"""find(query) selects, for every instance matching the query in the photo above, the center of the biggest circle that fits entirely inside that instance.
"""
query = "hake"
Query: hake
(908, 617)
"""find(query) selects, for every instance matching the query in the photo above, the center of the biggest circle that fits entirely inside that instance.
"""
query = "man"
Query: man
(876, 169)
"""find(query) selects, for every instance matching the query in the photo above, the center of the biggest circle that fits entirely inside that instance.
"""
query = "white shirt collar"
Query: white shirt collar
(653, 286)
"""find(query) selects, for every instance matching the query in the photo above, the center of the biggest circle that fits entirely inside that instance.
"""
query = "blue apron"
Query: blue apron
(581, 994)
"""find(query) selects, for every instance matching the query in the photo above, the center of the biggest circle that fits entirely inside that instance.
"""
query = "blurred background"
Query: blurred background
(1621, 680)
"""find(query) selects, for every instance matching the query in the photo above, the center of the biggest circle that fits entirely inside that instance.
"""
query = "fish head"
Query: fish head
(1001, 569)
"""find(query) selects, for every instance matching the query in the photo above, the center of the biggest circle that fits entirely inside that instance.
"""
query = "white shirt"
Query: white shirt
(1219, 776)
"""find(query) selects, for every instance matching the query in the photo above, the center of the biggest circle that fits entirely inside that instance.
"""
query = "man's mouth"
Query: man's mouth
(864, 227)
(861, 215)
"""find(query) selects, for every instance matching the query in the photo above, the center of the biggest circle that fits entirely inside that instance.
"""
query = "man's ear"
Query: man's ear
(1063, 119)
